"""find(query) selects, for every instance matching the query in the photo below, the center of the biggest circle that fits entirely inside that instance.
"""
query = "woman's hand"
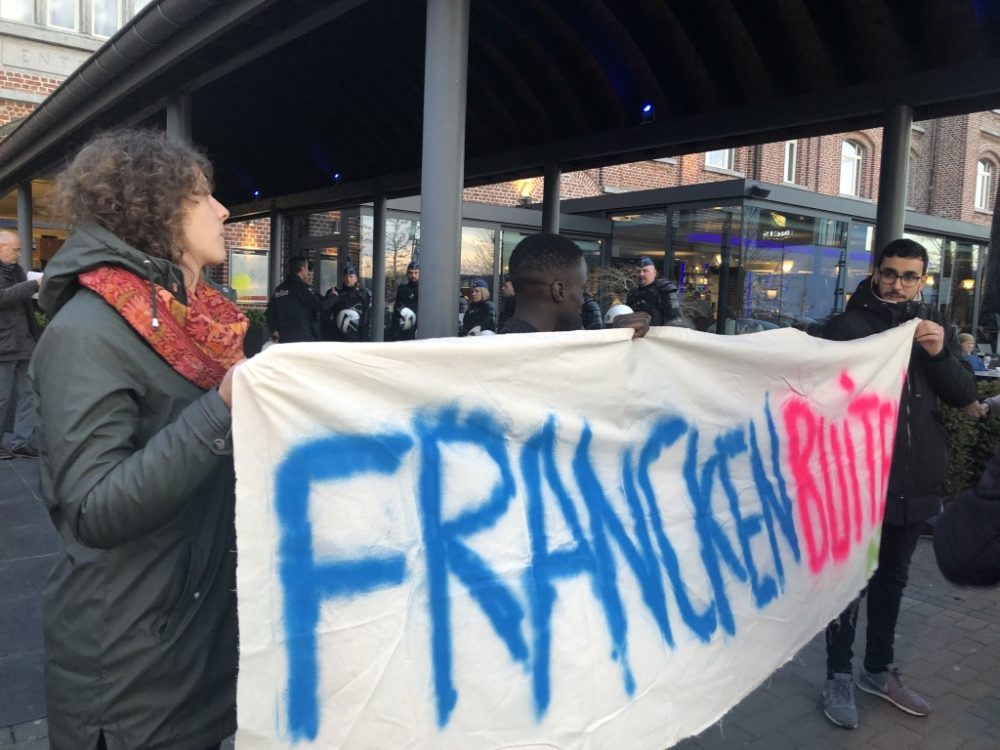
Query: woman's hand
(226, 386)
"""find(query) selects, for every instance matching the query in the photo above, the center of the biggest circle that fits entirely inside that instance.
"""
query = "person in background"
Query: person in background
(509, 300)
(351, 310)
(133, 386)
(549, 273)
(407, 298)
(968, 343)
(590, 314)
(482, 313)
(967, 533)
(18, 336)
(655, 296)
(889, 298)
(294, 310)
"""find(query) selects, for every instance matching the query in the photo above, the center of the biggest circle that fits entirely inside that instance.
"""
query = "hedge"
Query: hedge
(971, 442)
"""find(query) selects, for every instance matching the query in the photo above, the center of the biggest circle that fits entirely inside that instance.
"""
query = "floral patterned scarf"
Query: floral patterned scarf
(200, 340)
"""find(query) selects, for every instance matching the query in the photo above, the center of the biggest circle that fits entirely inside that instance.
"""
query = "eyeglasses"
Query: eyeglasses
(908, 279)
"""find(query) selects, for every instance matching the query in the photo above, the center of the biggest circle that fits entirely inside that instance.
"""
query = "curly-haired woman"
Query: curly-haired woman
(133, 384)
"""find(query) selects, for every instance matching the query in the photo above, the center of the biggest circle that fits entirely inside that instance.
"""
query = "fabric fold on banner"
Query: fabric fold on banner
(558, 540)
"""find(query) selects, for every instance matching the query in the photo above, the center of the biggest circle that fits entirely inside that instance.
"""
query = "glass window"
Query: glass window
(791, 159)
(791, 271)
(63, 14)
(249, 241)
(860, 242)
(320, 236)
(937, 287)
(633, 236)
(984, 184)
(850, 168)
(478, 252)
(22, 11)
(317, 224)
(705, 244)
(105, 17)
(721, 159)
(954, 266)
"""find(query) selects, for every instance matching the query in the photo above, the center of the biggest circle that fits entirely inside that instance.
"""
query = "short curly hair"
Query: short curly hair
(134, 183)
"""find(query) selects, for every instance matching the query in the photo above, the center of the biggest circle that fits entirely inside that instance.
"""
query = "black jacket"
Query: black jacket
(407, 295)
(967, 535)
(920, 454)
(659, 299)
(359, 298)
(590, 314)
(294, 311)
(507, 307)
(18, 330)
(482, 314)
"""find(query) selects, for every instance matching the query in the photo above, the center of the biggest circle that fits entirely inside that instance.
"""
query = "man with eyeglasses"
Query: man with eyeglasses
(888, 298)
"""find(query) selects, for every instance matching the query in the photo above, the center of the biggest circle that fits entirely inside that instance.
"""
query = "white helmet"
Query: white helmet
(614, 311)
(348, 320)
(407, 319)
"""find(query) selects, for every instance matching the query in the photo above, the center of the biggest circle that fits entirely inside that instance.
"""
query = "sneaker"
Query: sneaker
(5, 455)
(838, 701)
(889, 685)
(26, 451)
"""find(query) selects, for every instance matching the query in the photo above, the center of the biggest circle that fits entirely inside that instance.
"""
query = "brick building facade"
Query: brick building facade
(948, 159)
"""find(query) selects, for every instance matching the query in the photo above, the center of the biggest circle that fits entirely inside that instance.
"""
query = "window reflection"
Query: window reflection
(22, 11)
(793, 268)
(105, 17)
(62, 14)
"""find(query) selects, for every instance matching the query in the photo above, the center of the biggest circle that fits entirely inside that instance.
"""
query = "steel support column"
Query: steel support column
(378, 268)
(179, 118)
(890, 213)
(25, 223)
(550, 198)
(275, 268)
(443, 173)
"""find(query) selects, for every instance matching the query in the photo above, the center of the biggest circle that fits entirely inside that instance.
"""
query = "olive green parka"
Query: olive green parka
(137, 474)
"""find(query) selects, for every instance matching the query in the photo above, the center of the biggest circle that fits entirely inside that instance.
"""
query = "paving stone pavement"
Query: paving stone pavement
(947, 643)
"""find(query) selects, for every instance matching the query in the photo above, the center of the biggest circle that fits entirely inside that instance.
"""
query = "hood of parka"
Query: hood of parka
(91, 246)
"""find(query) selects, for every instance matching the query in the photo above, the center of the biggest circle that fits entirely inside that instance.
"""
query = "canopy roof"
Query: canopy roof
(322, 101)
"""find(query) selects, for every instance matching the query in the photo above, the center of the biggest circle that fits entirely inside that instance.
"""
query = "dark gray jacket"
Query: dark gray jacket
(137, 475)
(18, 330)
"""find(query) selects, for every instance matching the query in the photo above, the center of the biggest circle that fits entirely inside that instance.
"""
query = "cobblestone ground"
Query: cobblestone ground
(946, 645)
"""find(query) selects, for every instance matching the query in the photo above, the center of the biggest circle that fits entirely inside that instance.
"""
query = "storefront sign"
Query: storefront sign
(558, 540)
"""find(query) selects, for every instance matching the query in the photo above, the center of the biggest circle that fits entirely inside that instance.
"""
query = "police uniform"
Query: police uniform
(659, 299)
(480, 314)
(359, 298)
(406, 296)
(293, 311)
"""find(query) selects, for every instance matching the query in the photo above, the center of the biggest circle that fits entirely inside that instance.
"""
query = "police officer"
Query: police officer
(482, 313)
(351, 314)
(294, 309)
(590, 314)
(655, 296)
(406, 298)
(509, 300)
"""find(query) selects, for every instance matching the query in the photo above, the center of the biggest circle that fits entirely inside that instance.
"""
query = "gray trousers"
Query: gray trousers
(14, 389)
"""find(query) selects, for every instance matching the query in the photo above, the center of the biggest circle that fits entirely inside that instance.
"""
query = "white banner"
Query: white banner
(567, 540)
